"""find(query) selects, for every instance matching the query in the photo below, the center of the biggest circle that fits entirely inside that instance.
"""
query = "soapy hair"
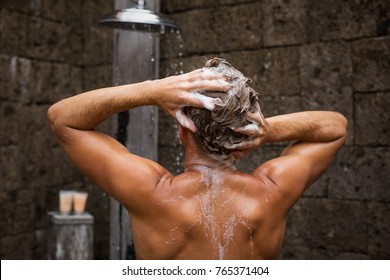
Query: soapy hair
(214, 129)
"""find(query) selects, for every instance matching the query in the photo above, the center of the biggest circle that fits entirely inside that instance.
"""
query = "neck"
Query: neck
(195, 158)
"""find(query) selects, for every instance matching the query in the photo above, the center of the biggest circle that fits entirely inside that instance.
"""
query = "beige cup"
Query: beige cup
(79, 202)
(66, 198)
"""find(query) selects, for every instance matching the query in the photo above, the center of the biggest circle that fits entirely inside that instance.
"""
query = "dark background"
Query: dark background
(301, 55)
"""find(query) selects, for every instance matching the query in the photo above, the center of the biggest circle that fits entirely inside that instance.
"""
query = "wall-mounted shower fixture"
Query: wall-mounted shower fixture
(138, 18)
(137, 32)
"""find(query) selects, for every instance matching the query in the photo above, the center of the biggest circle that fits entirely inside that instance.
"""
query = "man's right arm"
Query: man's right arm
(317, 136)
(311, 126)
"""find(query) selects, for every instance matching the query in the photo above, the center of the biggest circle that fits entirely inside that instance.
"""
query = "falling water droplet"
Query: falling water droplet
(162, 29)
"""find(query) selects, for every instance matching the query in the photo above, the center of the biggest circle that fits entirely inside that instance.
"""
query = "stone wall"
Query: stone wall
(301, 55)
(308, 55)
(48, 50)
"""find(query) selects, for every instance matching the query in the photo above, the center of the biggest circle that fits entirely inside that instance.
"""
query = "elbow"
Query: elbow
(55, 117)
(342, 125)
(52, 114)
(343, 121)
(57, 124)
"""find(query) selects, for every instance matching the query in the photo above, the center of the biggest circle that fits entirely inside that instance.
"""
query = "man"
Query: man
(211, 210)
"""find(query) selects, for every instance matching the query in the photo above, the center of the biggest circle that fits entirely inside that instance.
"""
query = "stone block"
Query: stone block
(27, 81)
(371, 68)
(326, 79)
(293, 249)
(5, 78)
(17, 212)
(320, 187)
(320, 228)
(36, 127)
(95, 77)
(23, 213)
(6, 212)
(38, 169)
(333, 19)
(12, 32)
(378, 236)
(46, 164)
(24, 79)
(278, 105)
(45, 199)
(47, 40)
(65, 14)
(183, 5)
(74, 19)
(97, 45)
(9, 113)
(17, 78)
(96, 9)
(16, 247)
(274, 72)
(25, 6)
(75, 45)
(97, 39)
(382, 15)
(54, 10)
(284, 22)
(361, 173)
(351, 256)
(174, 65)
(55, 81)
(10, 170)
(372, 119)
(221, 29)
(74, 12)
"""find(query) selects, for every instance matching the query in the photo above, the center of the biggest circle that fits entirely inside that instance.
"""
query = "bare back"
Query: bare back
(209, 214)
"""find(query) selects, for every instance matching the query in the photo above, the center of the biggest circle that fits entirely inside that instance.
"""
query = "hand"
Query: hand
(256, 132)
(177, 92)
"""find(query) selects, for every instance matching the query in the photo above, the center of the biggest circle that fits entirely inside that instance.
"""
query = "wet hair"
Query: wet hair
(214, 129)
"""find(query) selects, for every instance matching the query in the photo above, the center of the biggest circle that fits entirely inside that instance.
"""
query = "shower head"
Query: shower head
(138, 18)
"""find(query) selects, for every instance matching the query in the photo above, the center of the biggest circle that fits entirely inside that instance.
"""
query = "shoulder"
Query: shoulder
(250, 184)
(283, 179)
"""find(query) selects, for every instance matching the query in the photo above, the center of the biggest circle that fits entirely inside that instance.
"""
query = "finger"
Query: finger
(250, 130)
(246, 144)
(193, 74)
(209, 74)
(185, 121)
(201, 101)
(204, 74)
(217, 85)
(254, 117)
